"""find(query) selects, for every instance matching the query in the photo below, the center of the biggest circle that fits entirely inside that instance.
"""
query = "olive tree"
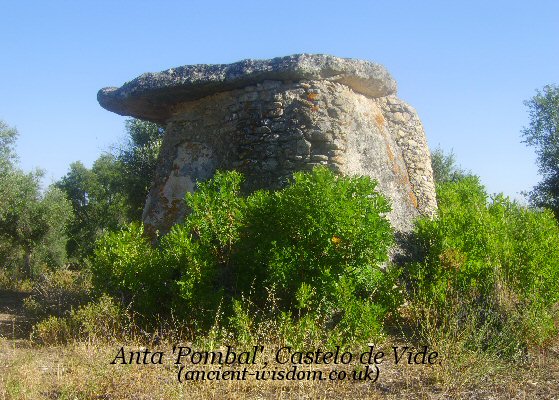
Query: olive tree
(543, 134)
(32, 222)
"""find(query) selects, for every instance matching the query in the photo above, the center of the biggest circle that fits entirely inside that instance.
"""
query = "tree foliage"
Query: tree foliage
(97, 201)
(444, 166)
(8, 136)
(112, 193)
(32, 223)
(543, 135)
(138, 158)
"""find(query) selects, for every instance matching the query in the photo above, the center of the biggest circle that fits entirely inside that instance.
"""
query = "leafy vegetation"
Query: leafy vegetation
(112, 193)
(492, 264)
(97, 203)
(543, 135)
(138, 158)
(56, 292)
(32, 223)
(444, 166)
(323, 257)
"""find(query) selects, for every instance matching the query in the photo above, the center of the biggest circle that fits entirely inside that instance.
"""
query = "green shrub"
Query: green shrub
(128, 267)
(53, 330)
(492, 265)
(10, 281)
(200, 249)
(57, 292)
(314, 232)
(103, 319)
(318, 245)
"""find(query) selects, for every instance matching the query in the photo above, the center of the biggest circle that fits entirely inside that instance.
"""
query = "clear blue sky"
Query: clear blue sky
(465, 66)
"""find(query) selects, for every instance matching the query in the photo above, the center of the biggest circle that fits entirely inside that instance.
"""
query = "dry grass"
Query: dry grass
(82, 370)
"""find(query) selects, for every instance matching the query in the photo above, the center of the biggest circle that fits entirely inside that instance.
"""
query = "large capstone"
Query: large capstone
(270, 118)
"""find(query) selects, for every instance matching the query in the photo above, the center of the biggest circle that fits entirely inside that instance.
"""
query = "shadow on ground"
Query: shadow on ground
(13, 322)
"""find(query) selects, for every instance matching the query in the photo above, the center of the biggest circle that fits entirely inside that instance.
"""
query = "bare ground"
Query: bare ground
(13, 322)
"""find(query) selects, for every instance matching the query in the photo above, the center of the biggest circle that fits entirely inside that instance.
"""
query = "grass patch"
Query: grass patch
(82, 370)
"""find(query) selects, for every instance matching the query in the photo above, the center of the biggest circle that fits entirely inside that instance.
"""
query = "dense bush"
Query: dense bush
(301, 241)
(315, 247)
(57, 292)
(128, 267)
(103, 319)
(491, 266)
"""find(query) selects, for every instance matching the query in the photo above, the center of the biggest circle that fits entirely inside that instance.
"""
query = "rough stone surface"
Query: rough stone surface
(152, 96)
(406, 128)
(285, 115)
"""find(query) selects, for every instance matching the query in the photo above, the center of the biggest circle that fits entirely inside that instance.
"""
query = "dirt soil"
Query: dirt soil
(13, 323)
